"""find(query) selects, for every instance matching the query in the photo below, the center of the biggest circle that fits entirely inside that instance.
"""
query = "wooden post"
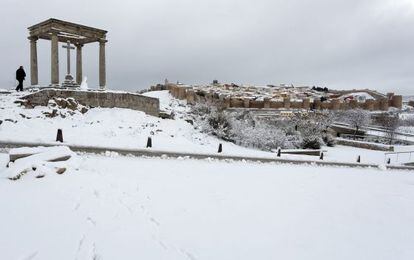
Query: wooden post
(149, 142)
(59, 136)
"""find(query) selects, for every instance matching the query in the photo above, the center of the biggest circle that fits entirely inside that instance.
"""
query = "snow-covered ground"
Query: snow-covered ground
(124, 128)
(138, 208)
(115, 207)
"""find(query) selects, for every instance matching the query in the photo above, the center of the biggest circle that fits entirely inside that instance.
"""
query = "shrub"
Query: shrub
(311, 142)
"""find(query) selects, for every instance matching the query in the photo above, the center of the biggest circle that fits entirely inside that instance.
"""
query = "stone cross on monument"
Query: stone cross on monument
(68, 47)
(69, 82)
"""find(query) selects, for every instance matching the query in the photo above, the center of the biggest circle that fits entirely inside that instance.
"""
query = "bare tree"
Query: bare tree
(389, 121)
(357, 118)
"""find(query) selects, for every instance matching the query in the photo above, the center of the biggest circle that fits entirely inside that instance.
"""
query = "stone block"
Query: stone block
(286, 102)
(256, 104)
(236, 102)
(383, 104)
(276, 104)
(246, 103)
(306, 103)
(266, 103)
(336, 105)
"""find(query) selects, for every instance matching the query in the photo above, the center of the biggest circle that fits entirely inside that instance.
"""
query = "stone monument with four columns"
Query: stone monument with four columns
(69, 33)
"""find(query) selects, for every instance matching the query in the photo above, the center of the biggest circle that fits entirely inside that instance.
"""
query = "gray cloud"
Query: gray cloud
(339, 44)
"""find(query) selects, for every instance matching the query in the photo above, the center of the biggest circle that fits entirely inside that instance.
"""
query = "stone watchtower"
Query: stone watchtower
(69, 33)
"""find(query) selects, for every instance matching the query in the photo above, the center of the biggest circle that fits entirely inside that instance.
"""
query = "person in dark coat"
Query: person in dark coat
(20, 76)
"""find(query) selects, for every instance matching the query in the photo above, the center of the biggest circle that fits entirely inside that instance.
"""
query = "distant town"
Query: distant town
(282, 96)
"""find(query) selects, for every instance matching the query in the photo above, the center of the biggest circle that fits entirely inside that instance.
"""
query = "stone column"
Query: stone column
(34, 79)
(102, 65)
(54, 59)
(79, 63)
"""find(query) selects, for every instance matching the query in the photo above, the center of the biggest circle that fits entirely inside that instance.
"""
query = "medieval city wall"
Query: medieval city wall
(104, 99)
(199, 96)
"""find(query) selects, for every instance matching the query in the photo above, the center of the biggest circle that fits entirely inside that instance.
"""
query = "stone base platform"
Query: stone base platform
(96, 98)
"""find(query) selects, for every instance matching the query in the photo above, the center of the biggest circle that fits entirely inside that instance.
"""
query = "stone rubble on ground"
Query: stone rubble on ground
(64, 107)
(38, 161)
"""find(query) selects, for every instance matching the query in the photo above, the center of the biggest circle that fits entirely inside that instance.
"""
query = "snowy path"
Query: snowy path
(269, 158)
(129, 208)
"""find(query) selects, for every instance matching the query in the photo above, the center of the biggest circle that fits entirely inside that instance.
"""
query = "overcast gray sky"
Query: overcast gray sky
(338, 44)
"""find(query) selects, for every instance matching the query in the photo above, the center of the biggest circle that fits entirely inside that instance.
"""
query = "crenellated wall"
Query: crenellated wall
(202, 96)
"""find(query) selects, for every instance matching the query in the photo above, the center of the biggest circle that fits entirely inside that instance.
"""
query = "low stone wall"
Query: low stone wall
(149, 105)
(364, 145)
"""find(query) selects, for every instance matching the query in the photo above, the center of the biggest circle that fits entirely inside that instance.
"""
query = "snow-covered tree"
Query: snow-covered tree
(390, 122)
(357, 118)
(243, 128)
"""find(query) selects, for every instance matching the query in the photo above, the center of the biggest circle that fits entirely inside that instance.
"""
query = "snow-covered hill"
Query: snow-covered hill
(106, 127)
(124, 128)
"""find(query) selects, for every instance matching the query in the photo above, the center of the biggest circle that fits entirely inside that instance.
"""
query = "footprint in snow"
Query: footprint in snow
(30, 257)
(76, 206)
(187, 254)
(91, 220)
(95, 256)
(153, 220)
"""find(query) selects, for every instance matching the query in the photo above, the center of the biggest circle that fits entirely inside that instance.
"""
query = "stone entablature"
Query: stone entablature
(105, 99)
(208, 95)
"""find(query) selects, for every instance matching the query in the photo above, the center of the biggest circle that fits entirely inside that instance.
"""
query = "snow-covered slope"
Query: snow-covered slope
(105, 127)
(124, 128)
(129, 208)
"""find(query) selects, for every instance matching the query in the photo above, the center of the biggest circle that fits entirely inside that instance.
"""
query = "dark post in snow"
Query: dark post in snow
(220, 149)
(149, 142)
(359, 159)
(321, 156)
(59, 136)
(389, 161)
(279, 152)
